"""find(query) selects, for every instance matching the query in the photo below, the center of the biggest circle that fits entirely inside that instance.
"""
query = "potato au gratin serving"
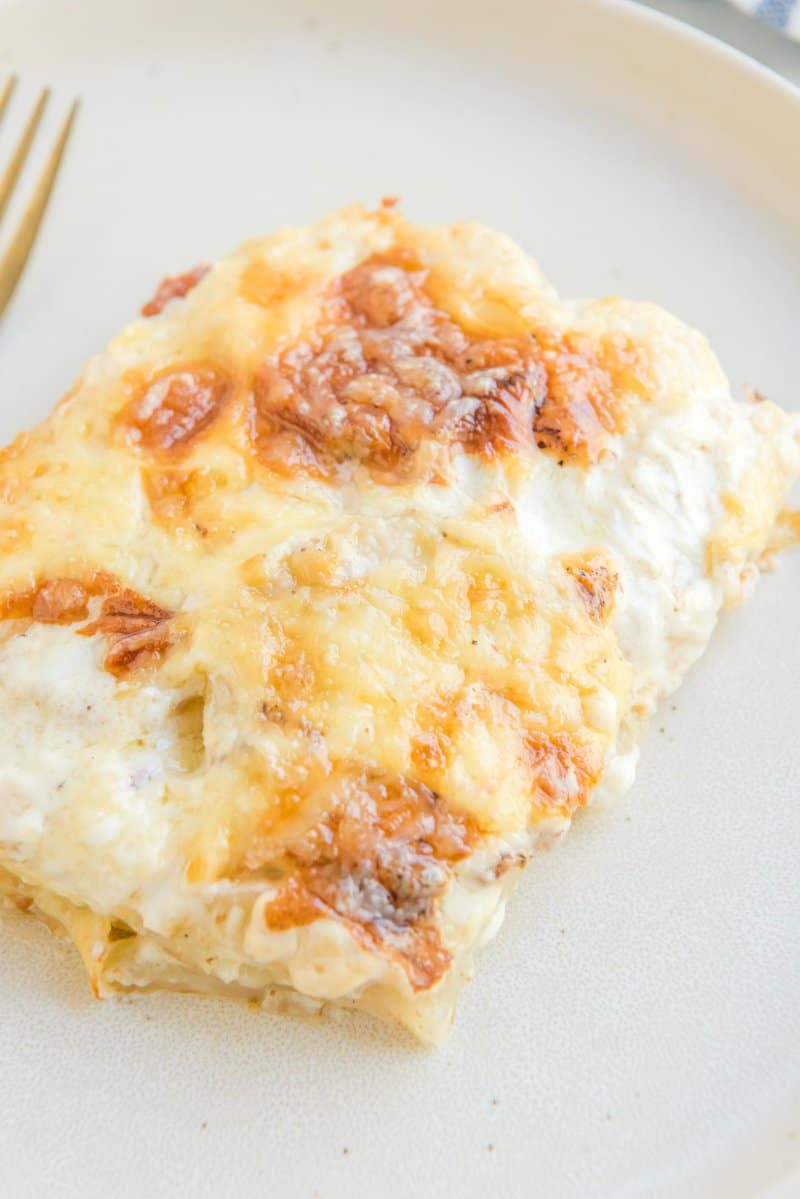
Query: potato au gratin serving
(331, 592)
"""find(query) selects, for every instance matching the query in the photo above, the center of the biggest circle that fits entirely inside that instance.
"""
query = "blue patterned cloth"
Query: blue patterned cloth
(780, 14)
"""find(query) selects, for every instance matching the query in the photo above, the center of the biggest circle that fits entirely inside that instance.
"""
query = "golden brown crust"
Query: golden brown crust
(386, 371)
(588, 381)
(554, 760)
(137, 630)
(172, 408)
(174, 287)
(597, 586)
(176, 495)
(56, 601)
(377, 860)
(61, 601)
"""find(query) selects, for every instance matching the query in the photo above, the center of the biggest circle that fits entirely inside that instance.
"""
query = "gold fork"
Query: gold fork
(12, 262)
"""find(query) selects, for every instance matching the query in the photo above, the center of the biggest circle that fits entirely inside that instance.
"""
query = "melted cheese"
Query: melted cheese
(334, 588)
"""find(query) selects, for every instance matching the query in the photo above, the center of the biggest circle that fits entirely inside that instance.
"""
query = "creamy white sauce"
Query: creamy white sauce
(85, 763)
(651, 504)
(82, 769)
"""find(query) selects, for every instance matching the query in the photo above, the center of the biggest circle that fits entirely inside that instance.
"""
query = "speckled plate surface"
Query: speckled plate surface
(633, 1031)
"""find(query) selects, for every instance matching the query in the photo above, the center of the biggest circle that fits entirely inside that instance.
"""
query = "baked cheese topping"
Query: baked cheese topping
(386, 376)
(334, 588)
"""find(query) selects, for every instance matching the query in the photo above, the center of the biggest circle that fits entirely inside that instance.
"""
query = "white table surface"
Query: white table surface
(721, 20)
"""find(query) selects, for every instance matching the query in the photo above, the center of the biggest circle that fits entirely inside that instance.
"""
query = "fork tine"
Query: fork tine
(9, 178)
(5, 95)
(13, 263)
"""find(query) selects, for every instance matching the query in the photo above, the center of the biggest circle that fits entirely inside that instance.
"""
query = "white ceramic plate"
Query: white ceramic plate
(634, 1030)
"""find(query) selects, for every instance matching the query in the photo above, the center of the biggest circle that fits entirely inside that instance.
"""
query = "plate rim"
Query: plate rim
(635, 10)
(680, 29)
